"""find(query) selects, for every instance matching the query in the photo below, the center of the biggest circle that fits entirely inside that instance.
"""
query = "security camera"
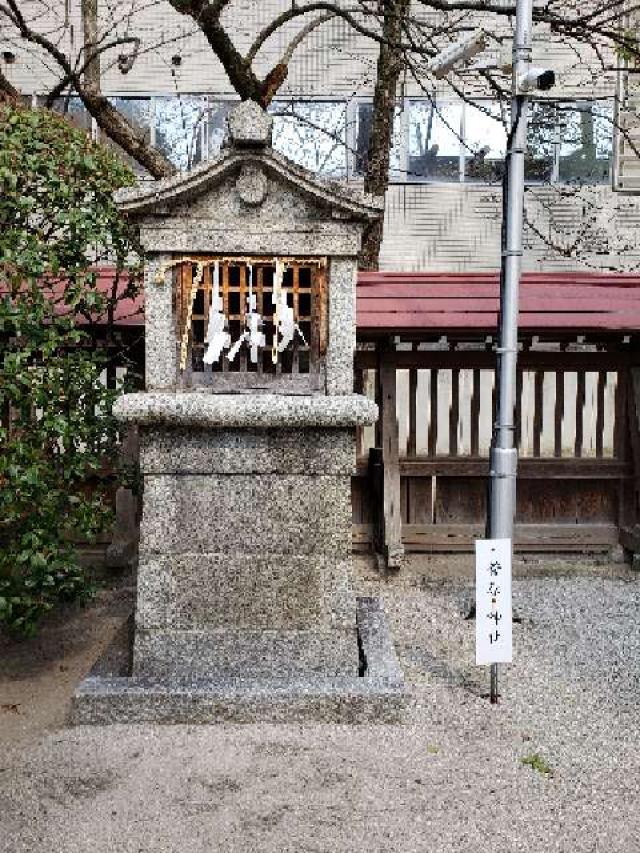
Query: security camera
(541, 79)
(461, 51)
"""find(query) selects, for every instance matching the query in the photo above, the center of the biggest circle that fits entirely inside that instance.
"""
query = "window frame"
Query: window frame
(399, 174)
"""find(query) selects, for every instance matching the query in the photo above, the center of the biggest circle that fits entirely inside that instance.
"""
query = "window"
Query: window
(215, 126)
(312, 134)
(485, 142)
(568, 142)
(179, 129)
(72, 107)
(434, 148)
(186, 128)
(139, 113)
(539, 159)
(364, 114)
(586, 134)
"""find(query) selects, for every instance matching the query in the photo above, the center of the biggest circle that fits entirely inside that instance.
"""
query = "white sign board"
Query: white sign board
(493, 601)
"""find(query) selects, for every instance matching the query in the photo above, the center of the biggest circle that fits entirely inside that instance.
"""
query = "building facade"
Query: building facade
(443, 208)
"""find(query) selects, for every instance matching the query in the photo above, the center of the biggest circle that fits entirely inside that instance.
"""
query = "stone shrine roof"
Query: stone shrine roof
(250, 153)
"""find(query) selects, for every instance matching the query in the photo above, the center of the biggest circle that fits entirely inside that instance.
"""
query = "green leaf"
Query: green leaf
(56, 213)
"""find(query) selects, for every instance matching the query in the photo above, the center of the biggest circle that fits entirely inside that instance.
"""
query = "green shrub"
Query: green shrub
(57, 437)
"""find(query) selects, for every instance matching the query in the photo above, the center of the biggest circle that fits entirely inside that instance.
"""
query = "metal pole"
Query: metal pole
(504, 454)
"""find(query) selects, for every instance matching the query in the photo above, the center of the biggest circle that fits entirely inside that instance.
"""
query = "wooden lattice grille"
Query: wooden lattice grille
(303, 282)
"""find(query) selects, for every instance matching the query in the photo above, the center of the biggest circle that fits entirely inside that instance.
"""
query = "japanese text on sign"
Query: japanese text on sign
(493, 601)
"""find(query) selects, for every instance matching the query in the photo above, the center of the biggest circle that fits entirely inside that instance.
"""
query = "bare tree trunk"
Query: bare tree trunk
(390, 66)
(108, 118)
(133, 141)
(90, 34)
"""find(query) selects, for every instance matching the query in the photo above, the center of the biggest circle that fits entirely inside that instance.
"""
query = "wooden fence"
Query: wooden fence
(577, 477)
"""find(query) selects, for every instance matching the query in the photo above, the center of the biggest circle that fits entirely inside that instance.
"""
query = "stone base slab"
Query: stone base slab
(250, 655)
(110, 695)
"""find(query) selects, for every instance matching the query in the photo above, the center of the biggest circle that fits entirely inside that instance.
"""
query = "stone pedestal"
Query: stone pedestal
(245, 551)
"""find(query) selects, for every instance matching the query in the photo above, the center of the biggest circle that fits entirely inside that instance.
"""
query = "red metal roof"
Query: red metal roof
(564, 301)
(128, 312)
(396, 302)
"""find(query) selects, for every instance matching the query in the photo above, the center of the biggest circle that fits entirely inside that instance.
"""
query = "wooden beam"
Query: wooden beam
(544, 468)
(528, 360)
(631, 513)
(445, 538)
(393, 550)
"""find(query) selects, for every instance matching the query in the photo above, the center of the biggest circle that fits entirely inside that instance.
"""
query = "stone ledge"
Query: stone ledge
(379, 695)
(178, 450)
(204, 409)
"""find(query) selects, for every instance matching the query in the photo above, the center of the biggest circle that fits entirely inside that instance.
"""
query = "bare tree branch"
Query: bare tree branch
(108, 118)
(207, 16)
(78, 72)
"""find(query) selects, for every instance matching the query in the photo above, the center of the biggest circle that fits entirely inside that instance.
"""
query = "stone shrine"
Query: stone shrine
(245, 604)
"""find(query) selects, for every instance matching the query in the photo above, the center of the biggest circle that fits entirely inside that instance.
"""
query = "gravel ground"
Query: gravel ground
(450, 778)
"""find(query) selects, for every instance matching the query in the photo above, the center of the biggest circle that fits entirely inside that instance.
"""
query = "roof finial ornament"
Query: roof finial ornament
(250, 126)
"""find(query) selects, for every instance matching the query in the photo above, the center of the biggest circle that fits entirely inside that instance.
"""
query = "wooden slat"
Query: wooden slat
(538, 410)
(243, 290)
(580, 398)
(532, 536)
(633, 408)
(449, 295)
(518, 430)
(207, 283)
(448, 281)
(296, 313)
(558, 415)
(628, 321)
(620, 430)
(578, 303)
(454, 412)
(413, 402)
(258, 272)
(324, 310)
(224, 284)
(475, 414)
(528, 537)
(433, 412)
(358, 388)
(316, 343)
(600, 412)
